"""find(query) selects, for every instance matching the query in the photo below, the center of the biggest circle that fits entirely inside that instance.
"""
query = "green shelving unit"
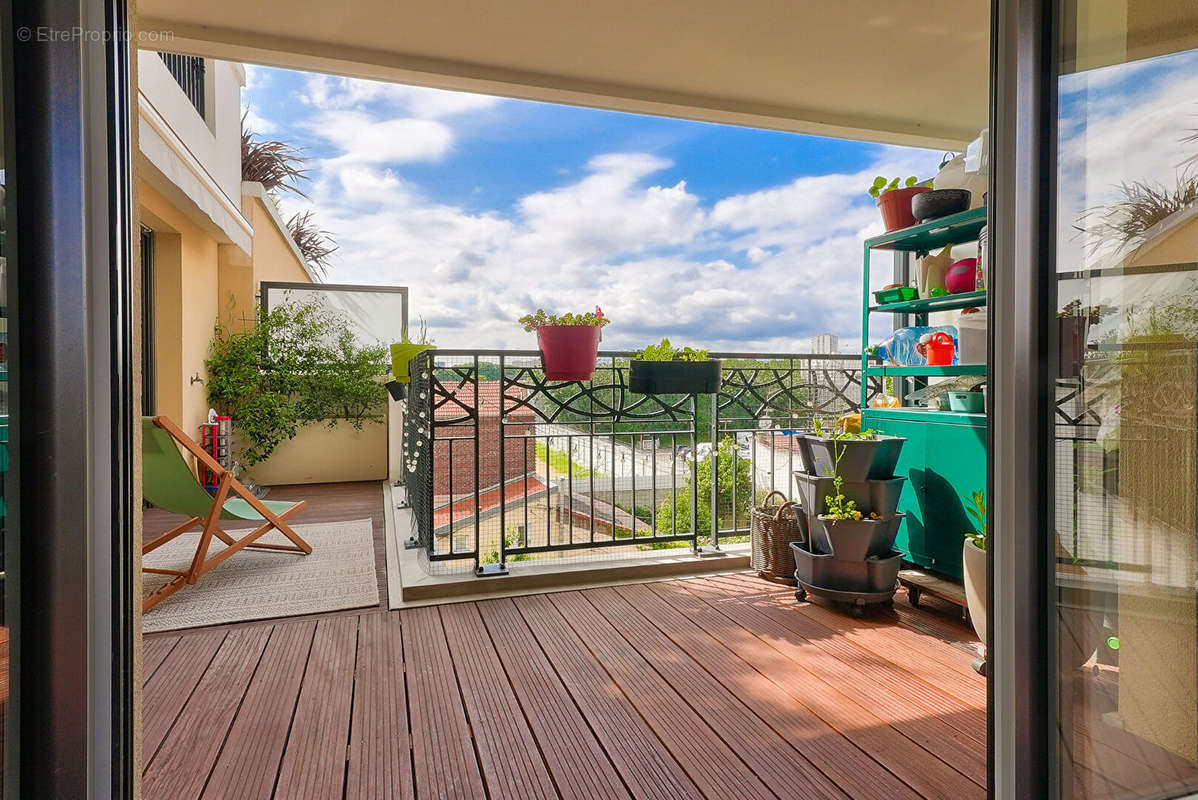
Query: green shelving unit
(927, 236)
(947, 303)
(925, 372)
(944, 459)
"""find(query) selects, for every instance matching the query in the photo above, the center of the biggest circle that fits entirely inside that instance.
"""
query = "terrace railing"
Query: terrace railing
(502, 465)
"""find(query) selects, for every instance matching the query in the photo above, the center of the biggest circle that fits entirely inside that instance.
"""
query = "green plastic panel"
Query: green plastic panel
(927, 372)
(949, 302)
(928, 236)
(944, 461)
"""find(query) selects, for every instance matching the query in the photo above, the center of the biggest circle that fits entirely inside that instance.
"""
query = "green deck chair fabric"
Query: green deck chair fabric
(169, 483)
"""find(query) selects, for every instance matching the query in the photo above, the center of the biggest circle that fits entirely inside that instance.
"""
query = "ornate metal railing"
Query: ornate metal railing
(503, 466)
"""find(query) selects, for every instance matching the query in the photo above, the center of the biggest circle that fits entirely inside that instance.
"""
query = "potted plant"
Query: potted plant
(1074, 321)
(403, 352)
(854, 456)
(973, 559)
(895, 200)
(850, 535)
(569, 343)
(664, 369)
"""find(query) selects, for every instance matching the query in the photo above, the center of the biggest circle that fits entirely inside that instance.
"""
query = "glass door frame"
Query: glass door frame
(1023, 759)
(69, 587)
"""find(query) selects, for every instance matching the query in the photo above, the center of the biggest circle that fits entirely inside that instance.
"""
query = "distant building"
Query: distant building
(454, 451)
(825, 343)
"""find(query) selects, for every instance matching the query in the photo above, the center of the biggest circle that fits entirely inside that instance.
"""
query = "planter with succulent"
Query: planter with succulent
(403, 352)
(569, 343)
(665, 369)
(973, 559)
(894, 200)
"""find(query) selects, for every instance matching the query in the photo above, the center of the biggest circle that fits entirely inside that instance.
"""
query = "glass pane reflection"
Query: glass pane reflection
(1126, 428)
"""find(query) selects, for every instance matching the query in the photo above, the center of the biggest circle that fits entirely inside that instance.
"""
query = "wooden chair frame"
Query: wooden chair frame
(201, 562)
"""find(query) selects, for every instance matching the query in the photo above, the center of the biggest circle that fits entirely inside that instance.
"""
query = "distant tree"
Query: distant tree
(674, 515)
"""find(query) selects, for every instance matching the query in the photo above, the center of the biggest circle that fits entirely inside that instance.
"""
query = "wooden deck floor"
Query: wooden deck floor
(722, 687)
(719, 688)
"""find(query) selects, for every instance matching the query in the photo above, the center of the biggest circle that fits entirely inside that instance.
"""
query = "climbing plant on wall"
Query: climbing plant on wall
(296, 364)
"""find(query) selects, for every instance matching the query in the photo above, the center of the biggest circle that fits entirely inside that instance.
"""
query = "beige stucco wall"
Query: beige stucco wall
(275, 255)
(186, 302)
(274, 258)
(1179, 246)
(319, 454)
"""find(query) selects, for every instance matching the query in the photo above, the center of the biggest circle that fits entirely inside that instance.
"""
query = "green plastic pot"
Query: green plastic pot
(401, 358)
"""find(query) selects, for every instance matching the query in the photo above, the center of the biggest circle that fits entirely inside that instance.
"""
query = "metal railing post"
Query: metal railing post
(715, 472)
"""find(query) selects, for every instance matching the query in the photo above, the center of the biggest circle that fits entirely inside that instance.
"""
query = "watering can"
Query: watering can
(940, 349)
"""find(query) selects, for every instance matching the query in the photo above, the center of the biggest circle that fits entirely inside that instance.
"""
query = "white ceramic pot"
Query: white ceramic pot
(973, 559)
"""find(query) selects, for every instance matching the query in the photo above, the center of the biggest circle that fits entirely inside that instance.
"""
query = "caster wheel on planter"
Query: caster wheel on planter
(857, 611)
(913, 595)
(801, 594)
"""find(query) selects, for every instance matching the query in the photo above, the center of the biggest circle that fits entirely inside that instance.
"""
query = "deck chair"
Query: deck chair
(169, 483)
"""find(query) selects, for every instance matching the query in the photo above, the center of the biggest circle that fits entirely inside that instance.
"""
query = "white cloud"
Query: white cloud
(617, 238)
(331, 92)
(1121, 124)
(362, 139)
(761, 270)
(258, 124)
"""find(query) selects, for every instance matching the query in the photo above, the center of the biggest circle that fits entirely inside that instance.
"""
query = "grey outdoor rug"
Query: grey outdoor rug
(261, 584)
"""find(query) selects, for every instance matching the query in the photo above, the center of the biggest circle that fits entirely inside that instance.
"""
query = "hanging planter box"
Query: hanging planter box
(861, 459)
(854, 539)
(674, 377)
(568, 352)
(1074, 332)
(401, 359)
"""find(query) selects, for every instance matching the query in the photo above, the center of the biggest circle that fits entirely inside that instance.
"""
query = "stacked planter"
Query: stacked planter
(850, 561)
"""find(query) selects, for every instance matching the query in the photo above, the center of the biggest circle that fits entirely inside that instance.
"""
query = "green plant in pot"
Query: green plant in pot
(665, 369)
(403, 352)
(894, 200)
(973, 560)
(855, 456)
(849, 533)
(569, 343)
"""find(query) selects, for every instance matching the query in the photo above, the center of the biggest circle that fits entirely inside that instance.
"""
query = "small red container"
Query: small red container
(940, 350)
(568, 352)
(896, 207)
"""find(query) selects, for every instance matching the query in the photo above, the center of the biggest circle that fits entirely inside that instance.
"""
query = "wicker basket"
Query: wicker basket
(772, 528)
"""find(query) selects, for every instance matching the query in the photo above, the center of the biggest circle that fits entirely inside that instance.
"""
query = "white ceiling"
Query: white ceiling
(896, 71)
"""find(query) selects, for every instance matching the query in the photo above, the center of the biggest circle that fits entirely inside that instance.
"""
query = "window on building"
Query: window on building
(189, 74)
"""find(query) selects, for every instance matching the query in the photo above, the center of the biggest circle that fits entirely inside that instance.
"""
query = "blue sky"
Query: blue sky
(718, 236)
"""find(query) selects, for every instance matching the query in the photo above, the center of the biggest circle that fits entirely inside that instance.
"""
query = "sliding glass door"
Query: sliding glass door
(1123, 437)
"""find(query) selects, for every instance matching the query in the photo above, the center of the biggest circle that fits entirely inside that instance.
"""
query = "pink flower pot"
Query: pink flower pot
(568, 351)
